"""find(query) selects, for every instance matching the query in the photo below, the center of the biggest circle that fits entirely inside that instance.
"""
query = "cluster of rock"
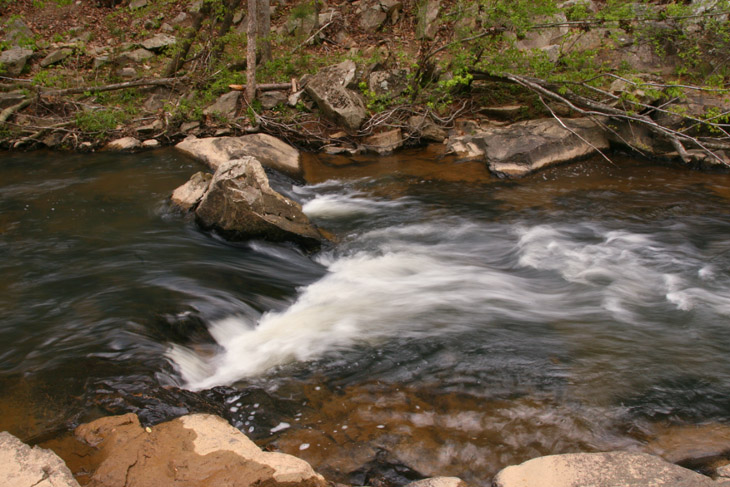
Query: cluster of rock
(202, 449)
(236, 200)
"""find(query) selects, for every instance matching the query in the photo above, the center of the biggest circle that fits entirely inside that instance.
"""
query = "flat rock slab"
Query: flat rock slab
(190, 451)
(522, 148)
(270, 151)
(612, 469)
(23, 466)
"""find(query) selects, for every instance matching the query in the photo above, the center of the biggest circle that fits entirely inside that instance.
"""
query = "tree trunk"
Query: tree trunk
(251, 52)
(264, 27)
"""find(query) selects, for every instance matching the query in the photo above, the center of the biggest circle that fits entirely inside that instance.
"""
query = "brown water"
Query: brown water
(461, 324)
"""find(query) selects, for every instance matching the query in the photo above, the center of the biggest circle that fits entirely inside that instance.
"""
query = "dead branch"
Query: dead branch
(8, 112)
(112, 87)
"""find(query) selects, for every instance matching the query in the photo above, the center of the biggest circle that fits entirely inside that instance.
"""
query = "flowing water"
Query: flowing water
(459, 324)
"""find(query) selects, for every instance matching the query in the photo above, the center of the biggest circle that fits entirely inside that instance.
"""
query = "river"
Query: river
(461, 323)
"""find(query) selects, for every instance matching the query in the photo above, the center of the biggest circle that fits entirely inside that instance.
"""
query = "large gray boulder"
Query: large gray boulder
(328, 88)
(13, 60)
(521, 148)
(241, 205)
(190, 451)
(270, 151)
(23, 466)
(612, 469)
(428, 14)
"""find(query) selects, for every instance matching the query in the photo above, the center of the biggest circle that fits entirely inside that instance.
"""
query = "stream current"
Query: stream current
(460, 323)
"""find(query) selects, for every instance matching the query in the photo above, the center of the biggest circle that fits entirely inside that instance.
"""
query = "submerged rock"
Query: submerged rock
(23, 466)
(270, 151)
(623, 469)
(190, 451)
(521, 148)
(241, 205)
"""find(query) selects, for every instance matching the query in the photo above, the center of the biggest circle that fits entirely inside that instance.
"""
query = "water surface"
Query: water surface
(460, 324)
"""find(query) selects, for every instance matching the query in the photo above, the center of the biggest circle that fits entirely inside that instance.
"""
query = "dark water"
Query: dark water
(460, 324)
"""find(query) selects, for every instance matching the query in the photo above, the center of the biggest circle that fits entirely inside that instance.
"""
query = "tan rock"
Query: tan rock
(270, 151)
(189, 194)
(622, 469)
(124, 144)
(23, 466)
(190, 451)
(384, 142)
(438, 482)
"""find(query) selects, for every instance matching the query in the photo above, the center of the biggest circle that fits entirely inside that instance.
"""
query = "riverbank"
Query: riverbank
(79, 75)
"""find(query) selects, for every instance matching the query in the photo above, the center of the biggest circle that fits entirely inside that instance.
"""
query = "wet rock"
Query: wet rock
(241, 205)
(328, 88)
(384, 142)
(225, 106)
(23, 466)
(600, 469)
(124, 144)
(189, 194)
(190, 451)
(423, 127)
(55, 57)
(14, 60)
(521, 148)
(270, 151)
(392, 82)
(679, 444)
(159, 42)
(438, 482)
(428, 14)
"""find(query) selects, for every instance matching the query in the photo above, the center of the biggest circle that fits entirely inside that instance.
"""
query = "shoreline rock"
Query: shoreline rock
(193, 450)
(270, 151)
(625, 469)
(23, 466)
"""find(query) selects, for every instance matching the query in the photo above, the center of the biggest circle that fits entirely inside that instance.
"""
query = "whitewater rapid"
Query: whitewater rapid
(431, 275)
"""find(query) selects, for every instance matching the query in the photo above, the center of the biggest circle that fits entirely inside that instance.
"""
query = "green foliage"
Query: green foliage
(100, 122)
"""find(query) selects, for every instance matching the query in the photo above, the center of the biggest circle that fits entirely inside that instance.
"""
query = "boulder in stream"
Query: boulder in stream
(269, 151)
(240, 205)
(524, 147)
(190, 451)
